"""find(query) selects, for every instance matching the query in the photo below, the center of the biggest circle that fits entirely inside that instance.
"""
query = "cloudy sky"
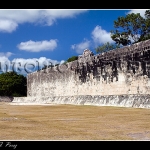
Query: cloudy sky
(52, 35)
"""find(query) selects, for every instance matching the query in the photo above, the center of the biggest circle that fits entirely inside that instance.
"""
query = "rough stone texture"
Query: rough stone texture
(124, 71)
(6, 99)
(137, 101)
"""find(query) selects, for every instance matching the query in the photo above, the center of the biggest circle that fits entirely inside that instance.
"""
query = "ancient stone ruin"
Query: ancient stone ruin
(120, 77)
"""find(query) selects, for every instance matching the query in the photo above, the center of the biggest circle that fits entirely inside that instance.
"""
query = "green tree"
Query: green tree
(131, 29)
(147, 25)
(106, 47)
(73, 58)
(147, 14)
(13, 84)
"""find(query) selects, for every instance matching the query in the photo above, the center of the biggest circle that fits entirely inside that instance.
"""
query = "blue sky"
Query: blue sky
(31, 35)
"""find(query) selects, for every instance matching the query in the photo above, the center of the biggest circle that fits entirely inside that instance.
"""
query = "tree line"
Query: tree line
(131, 29)
(13, 84)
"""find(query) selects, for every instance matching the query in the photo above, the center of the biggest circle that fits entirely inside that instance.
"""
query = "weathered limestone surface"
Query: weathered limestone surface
(137, 101)
(6, 99)
(121, 71)
(97, 79)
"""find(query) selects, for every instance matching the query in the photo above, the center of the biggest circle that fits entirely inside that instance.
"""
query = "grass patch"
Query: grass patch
(73, 122)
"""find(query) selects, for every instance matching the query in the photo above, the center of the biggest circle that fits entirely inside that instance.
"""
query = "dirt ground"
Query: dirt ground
(72, 122)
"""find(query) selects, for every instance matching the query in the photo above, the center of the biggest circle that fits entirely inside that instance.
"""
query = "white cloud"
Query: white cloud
(7, 25)
(62, 61)
(24, 66)
(9, 19)
(4, 60)
(79, 48)
(35, 61)
(141, 11)
(7, 54)
(101, 36)
(37, 46)
(31, 65)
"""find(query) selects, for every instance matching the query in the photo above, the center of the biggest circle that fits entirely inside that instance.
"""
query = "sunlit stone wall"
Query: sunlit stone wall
(117, 72)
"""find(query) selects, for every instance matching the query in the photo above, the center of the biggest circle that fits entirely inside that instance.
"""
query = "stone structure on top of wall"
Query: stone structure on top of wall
(123, 71)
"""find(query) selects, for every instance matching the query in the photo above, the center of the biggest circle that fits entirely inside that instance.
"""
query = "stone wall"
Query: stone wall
(6, 99)
(121, 71)
(119, 77)
(136, 101)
